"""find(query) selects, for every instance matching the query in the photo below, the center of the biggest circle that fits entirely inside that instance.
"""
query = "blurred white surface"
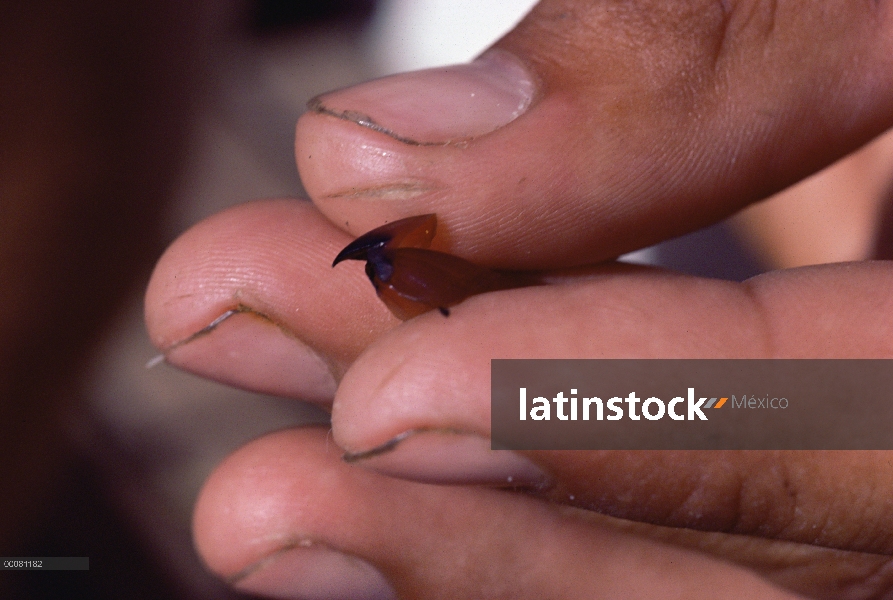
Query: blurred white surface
(416, 34)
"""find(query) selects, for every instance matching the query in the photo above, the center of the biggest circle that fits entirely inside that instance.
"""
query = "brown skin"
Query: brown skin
(665, 116)
(834, 216)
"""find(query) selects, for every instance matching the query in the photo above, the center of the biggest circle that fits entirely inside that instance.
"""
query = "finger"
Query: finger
(285, 517)
(249, 297)
(596, 128)
(833, 216)
(417, 403)
(294, 324)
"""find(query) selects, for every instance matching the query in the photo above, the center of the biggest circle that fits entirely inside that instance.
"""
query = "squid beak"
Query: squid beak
(413, 232)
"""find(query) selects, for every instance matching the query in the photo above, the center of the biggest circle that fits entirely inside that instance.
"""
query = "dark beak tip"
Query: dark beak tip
(342, 256)
(351, 252)
(360, 247)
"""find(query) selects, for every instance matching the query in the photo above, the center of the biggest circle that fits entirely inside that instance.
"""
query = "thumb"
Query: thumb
(595, 128)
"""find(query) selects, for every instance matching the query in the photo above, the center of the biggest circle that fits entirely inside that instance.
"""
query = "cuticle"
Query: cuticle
(258, 565)
(243, 309)
(225, 316)
(363, 120)
(392, 444)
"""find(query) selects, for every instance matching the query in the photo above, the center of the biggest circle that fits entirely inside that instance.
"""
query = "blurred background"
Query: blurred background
(123, 124)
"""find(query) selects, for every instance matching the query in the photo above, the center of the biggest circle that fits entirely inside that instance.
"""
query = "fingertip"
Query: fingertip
(249, 297)
(255, 500)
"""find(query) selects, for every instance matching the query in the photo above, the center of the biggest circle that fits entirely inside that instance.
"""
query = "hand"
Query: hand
(639, 121)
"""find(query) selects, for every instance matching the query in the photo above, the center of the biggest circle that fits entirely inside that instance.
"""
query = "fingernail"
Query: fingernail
(315, 573)
(450, 457)
(245, 349)
(438, 106)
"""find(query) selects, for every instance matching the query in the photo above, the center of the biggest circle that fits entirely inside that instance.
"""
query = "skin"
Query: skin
(833, 216)
(723, 91)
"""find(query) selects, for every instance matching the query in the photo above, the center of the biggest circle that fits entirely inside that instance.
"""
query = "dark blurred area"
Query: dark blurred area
(271, 16)
(95, 99)
(97, 103)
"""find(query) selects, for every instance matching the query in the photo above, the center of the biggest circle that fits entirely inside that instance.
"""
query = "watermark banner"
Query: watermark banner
(687, 404)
